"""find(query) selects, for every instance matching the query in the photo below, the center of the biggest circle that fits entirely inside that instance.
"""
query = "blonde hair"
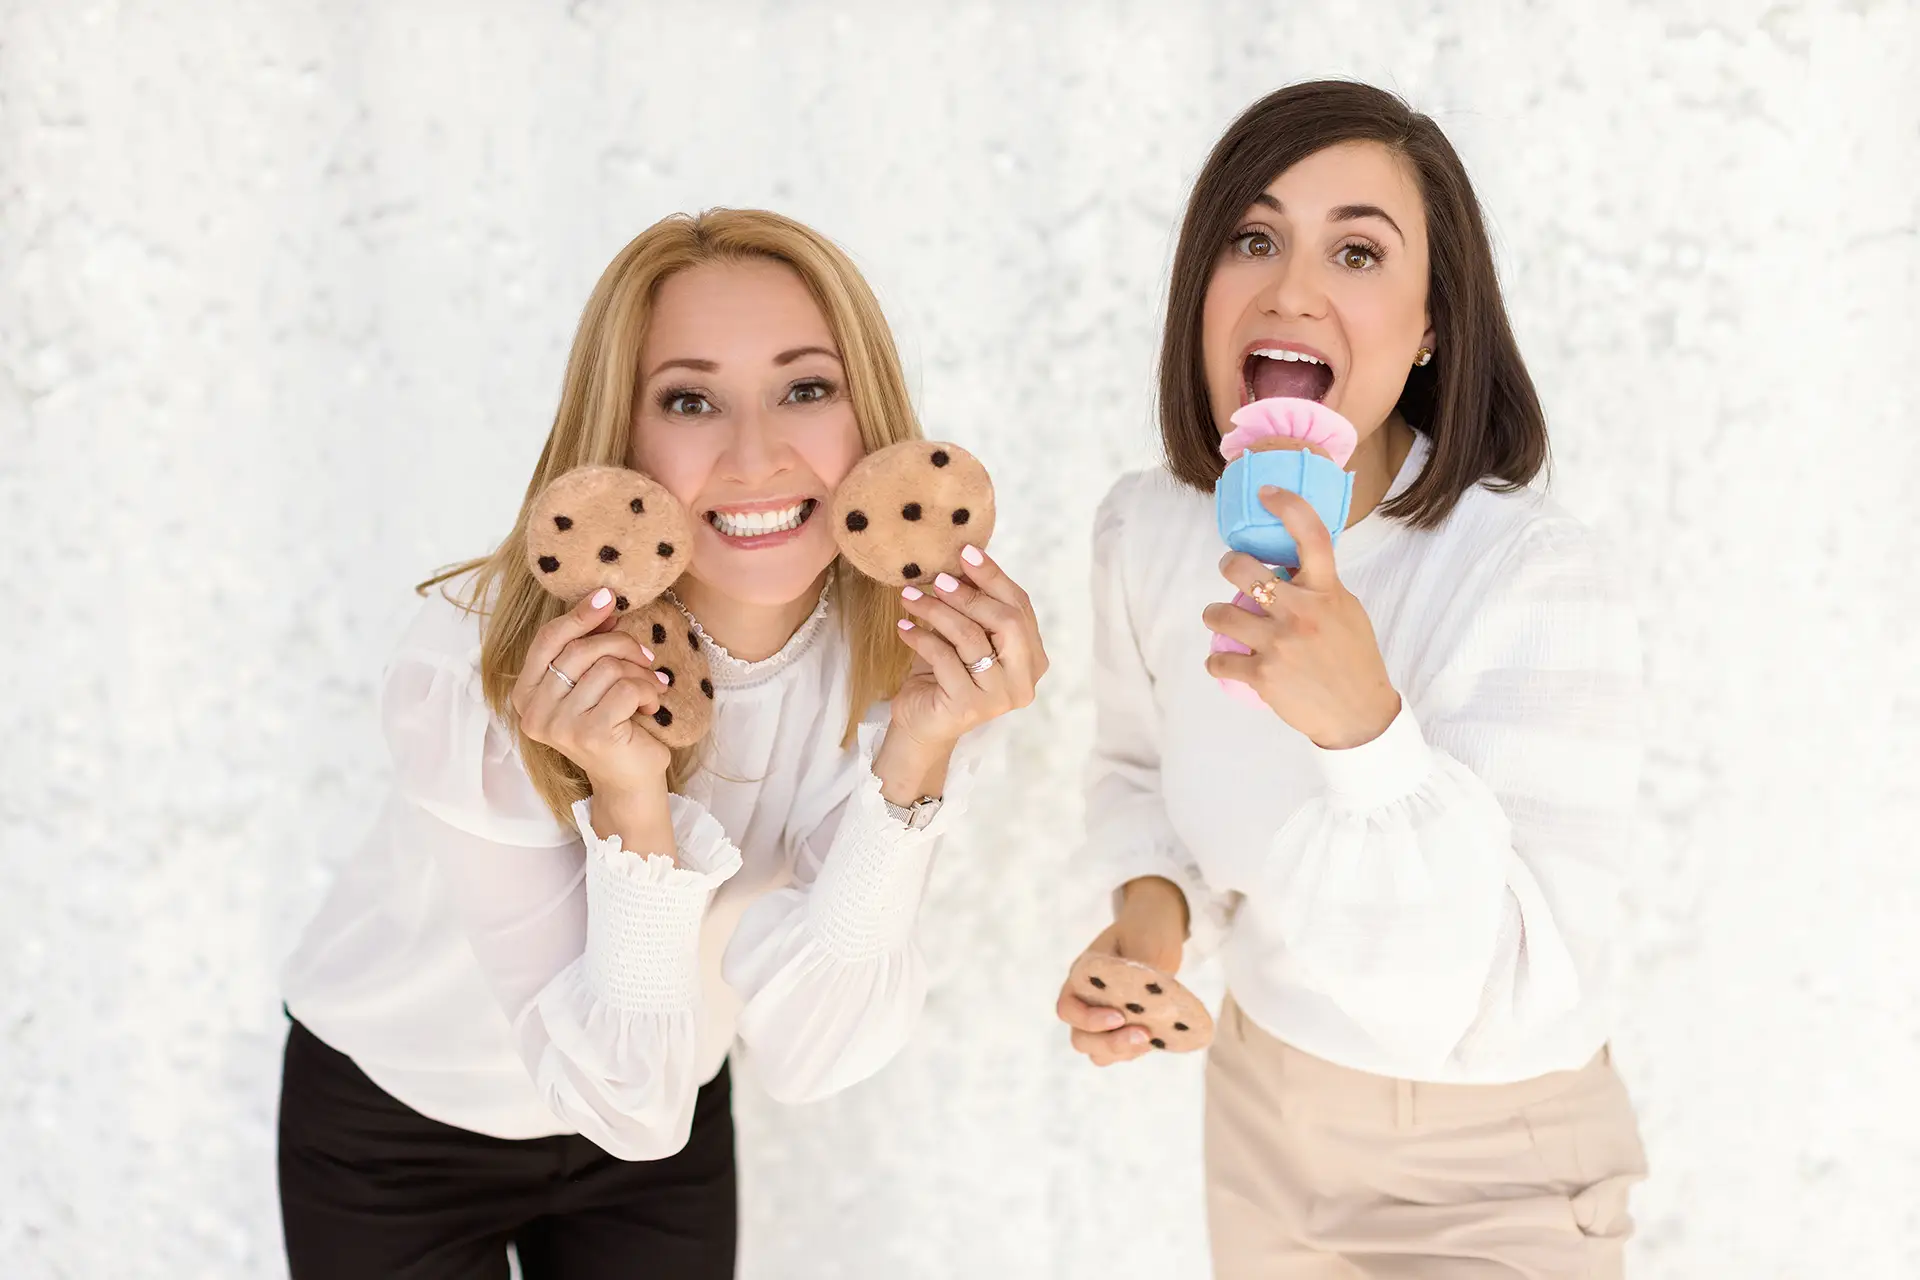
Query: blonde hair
(593, 426)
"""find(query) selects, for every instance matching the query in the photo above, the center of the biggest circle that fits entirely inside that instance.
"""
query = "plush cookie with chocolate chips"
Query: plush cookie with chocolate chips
(904, 512)
(610, 527)
(1173, 1016)
(686, 704)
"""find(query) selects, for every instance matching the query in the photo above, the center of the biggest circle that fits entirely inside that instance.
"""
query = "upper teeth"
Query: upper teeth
(1276, 353)
(748, 524)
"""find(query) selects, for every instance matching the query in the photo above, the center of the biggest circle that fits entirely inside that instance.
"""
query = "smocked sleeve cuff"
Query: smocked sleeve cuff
(644, 911)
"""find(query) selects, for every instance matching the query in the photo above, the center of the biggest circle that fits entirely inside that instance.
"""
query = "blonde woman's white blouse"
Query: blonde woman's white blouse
(496, 970)
(1440, 904)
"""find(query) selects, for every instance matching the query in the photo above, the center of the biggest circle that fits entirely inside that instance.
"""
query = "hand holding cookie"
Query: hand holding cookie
(1121, 996)
(611, 530)
(587, 690)
(916, 515)
(977, 652)
(1157, 1009)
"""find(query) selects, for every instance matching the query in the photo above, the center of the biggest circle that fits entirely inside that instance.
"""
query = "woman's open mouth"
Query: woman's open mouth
(1270, 371)
(763, 526)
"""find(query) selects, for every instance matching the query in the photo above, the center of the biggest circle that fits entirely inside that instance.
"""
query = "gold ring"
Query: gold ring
(1264, 593)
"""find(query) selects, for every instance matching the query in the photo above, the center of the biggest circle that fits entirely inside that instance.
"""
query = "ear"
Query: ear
(1426, 339)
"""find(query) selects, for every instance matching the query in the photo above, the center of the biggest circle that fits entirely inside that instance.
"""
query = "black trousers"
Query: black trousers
(370, 1188)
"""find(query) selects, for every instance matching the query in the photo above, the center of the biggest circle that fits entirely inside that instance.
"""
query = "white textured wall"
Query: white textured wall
(285, 290)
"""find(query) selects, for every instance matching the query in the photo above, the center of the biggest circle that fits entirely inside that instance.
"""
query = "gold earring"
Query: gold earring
(1423, 357)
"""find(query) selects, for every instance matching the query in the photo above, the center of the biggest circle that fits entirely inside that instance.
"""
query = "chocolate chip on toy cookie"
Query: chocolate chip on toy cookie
(608, 527)
(1173, 1016)
(686, 703)
(903, 514)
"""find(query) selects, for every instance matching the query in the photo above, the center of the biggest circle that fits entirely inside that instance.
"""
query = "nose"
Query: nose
(1294, 288)
(755, 454)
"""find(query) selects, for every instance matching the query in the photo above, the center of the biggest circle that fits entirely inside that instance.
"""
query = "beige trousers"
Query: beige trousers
(1316, 1170)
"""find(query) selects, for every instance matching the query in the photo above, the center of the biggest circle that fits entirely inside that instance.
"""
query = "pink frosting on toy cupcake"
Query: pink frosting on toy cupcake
(1289, 418)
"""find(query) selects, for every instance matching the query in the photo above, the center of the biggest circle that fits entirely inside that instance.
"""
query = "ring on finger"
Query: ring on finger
(565, 679)
(984, 664)
(1265, 592)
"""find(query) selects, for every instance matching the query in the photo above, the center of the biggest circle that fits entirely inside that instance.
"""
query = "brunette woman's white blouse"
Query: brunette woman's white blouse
(1443, 903)
(496, 970)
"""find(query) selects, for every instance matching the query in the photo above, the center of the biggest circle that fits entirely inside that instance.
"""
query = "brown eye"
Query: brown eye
(1355, 258)
(1255, 244)
(686, 404)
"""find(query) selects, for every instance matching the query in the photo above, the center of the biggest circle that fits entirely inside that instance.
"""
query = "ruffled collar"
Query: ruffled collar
(730, 672)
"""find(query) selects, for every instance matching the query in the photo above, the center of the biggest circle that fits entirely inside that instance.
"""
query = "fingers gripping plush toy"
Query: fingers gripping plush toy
(1172, 1016)
(1294, 444)
(610, 527)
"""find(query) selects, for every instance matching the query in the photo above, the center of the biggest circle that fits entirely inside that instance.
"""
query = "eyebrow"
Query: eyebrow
(709, 366)
(699, 366)
(1342, 213)
(788, 357)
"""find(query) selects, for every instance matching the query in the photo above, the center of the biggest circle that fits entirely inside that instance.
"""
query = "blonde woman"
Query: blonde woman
(511, 1018)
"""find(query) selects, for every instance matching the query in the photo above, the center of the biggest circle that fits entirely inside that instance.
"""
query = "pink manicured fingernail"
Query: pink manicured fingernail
(1136, 1037)
(971, 554)
(602, 598)
(648, 653)
(912, 593)
(905, 625)
(662, 677)
(947, 582)
(1110, 1020)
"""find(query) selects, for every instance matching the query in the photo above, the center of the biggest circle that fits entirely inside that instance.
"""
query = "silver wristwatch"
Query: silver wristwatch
(916, 815)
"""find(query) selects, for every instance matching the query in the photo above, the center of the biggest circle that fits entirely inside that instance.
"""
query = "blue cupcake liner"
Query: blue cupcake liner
(1248, 527)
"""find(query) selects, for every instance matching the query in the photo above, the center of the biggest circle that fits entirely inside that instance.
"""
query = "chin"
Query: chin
(771, 577)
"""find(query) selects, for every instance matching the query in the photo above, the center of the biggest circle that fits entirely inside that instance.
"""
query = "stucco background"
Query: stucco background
(285, 292)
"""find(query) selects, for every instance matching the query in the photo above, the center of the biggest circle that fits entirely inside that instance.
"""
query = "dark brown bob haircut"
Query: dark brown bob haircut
(1474, 401)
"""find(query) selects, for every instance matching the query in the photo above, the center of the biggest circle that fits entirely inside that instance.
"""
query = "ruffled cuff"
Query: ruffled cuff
(1379, 773)
(867, 894)
(644, 910)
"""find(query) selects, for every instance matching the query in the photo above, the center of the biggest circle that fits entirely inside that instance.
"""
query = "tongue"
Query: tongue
(1293, 378)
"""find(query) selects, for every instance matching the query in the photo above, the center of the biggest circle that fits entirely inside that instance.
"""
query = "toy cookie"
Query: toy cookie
(1173, 1016)
(1289, 443)
(903, 514)
(686, 704)
(610, 527)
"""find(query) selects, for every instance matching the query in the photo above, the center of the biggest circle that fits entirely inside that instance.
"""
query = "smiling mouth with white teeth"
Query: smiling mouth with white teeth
(762, 524)
(1280, 371)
